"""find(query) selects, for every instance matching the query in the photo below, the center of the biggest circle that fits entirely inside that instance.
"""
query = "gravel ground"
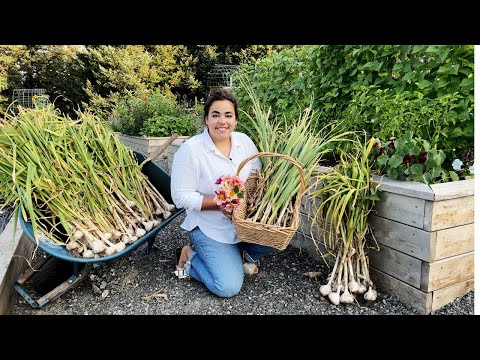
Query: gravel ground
(5, 215)
(118, 287)
(123, 287)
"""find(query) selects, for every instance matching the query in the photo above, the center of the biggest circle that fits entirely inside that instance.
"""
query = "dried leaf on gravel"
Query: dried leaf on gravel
(313, 274)
(157, 294)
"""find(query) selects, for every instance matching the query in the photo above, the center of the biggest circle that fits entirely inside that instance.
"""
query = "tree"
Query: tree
(9, 72)
(112, 72)
(55, 68)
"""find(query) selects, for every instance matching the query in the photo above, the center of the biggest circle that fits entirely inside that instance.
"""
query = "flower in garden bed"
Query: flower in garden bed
(230, 192)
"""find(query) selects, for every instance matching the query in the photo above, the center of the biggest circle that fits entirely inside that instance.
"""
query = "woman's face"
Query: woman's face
(221, 120)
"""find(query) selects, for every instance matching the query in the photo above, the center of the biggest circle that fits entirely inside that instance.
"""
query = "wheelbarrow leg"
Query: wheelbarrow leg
(149, 246)
(70, 283)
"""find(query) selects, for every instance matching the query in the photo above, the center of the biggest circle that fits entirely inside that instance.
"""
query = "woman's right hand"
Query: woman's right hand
(226, 213)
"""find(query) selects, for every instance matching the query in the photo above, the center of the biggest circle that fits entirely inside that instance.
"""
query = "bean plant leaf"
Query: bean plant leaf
(416, 169)
(408, 76)
(395, 160)
(454, 176)
(382, 159)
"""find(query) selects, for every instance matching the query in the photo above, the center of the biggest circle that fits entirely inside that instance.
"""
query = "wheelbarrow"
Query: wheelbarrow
(159, 178)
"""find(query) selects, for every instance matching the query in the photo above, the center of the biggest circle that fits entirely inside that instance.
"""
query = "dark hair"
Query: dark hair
(216, 95)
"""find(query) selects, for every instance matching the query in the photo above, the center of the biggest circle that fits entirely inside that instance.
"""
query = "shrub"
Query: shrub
(152, 115)
(384, 114)
(166, 125)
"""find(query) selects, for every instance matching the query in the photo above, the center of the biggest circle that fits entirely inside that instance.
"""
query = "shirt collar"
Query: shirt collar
(210, 146)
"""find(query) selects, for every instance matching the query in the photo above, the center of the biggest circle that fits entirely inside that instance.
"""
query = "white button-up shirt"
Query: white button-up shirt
(197, 164)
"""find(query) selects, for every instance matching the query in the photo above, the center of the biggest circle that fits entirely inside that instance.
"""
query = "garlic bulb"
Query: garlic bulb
(346, 297)
(370, 295)
(148, 225)
(325, 289)
(98, 246)
(71, 245)
(106, 236)
(110, 250)
(361, 288)
(334, 298)
(119, 246)
(353, 286)
(126, 239)
(140, 232)
(87, 254)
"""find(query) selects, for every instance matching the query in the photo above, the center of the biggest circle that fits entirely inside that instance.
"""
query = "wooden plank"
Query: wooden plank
(407, 239)
(406, 188)
(454, 241)
(448, 213)
(446, 272)
(313, 247)
(64, 287)
(16, 266)
(454, 189)
(397, 264)
(323, 169)
(161, 149)
(137, 143)
(305, 227)
(308, 205)
(35, 266)
(404, 209)
(419, 300)
(442, 297)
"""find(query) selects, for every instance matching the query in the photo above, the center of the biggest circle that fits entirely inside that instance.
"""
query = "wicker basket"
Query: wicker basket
(266, 234)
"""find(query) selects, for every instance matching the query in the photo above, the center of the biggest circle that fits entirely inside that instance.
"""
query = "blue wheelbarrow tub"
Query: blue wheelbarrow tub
(160, 180)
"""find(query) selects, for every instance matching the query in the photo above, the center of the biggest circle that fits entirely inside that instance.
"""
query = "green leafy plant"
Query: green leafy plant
(166, 125)
(383, 89)
(385, 114)
(411, 158)
(152, 115)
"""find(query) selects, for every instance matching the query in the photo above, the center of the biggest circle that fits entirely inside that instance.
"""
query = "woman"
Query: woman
(216, 258)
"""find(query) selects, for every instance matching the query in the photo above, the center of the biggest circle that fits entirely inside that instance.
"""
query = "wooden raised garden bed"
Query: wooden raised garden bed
(148, 145)
(425, 234)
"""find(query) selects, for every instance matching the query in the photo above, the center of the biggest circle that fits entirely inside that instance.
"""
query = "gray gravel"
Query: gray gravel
(5, 215)
(119, 287)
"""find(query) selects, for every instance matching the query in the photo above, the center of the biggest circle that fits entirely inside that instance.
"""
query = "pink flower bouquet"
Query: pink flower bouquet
(230, 193)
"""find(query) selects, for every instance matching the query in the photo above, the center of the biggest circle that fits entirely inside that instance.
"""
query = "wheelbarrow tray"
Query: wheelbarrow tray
(160, 180)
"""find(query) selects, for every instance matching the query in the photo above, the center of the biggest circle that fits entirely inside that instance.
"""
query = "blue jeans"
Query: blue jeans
(218, 265)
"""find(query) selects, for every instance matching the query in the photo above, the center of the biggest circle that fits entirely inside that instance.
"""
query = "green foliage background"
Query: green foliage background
(97, 76)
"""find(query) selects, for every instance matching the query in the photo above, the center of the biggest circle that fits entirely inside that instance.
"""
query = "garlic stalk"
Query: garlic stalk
(327, 288)
(346, 297)
(352, 284)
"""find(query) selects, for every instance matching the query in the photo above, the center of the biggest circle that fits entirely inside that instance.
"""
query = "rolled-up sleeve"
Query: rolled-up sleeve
(184, 180)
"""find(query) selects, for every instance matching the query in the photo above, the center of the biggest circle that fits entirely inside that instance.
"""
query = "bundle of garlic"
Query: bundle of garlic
(75, 182)
(348, 195)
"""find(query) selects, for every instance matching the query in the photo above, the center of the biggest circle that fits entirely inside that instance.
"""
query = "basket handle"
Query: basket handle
(282, 156)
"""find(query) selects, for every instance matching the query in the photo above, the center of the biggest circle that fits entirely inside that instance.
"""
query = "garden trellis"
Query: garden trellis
(220, 77)
(24, 97)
